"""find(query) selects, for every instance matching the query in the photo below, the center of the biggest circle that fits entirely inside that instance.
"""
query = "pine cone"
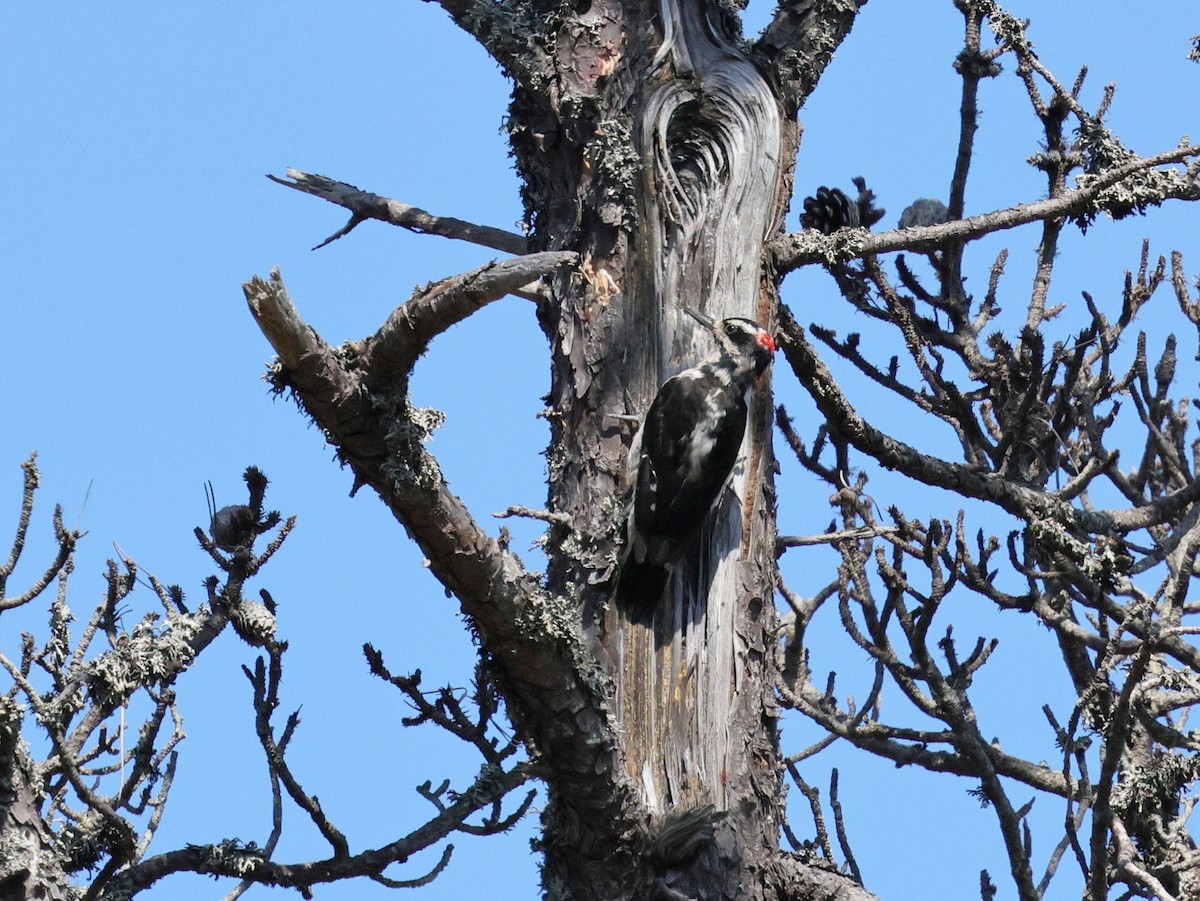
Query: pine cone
(828, 211)
(924, 211)
(831, 209)
(254, 623)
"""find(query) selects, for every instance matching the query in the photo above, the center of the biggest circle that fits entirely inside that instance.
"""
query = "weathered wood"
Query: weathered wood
(29, 867)
(365, 205)
(692, 695)
(661, 157)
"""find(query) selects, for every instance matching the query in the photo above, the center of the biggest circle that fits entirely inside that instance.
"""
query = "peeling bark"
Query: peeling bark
(655, 153)
(710, 157)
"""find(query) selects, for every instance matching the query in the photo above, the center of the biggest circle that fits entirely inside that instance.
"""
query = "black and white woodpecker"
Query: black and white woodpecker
(682, 457)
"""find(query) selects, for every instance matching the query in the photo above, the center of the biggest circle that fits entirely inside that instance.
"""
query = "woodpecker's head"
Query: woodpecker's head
(740, 338)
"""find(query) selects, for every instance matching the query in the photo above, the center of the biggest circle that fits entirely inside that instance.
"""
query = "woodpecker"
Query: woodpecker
(682, 456)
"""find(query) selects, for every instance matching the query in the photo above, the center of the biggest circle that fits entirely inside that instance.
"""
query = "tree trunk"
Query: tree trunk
(29, 866)
(676, 189)
(656, 158)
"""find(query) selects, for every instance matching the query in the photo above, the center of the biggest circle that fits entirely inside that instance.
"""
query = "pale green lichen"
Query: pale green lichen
(794, 66)
(516, 32)
(1149, 788)
(842, 246)
(1009, 30)
(232, 854)
(617, 167)
(25, 858)
(1100, 560)
(84, 842)
(547, 616)
(408, 429)
(1136, 193)
(151, 654)
(254, 623)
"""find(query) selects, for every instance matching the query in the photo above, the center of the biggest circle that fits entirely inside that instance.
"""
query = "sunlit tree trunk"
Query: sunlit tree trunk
(678, 181)
(656, 149)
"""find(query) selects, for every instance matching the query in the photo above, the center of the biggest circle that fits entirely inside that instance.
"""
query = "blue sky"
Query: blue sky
(136, 140)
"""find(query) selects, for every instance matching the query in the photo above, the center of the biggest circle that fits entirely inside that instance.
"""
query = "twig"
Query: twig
(814, 803)
(1018, 499)
(265, 681)
(241, 863)
(420, 880)
(839, 823)
(786, 541)
(547, 516)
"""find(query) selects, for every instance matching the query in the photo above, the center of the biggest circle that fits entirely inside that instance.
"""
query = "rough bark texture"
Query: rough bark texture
(682, 163)
(656, 151)
(656, 148)
(29, 866)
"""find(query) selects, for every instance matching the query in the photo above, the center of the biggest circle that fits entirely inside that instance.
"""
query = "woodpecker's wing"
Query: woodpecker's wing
(692, 434)
(701, 487)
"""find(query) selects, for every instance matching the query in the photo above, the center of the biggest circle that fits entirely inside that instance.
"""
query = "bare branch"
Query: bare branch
(393, 350)
(786, 541)
(972, 65)
(813, 794)
(800, 41)
(280, 321)
(804, 248)
(420, 880)
(403, 337)
(364, 205)
(265, 680)
(535, 639)
(246, 862)
(547, 516)
(66, 544)
(31, 485)
(1018, 499)
(839, 822)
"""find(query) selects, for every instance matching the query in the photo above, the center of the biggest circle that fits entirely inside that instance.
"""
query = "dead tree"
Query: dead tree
(656, 148)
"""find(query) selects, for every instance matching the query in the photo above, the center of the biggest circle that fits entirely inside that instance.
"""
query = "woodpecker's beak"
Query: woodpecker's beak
(701, 318)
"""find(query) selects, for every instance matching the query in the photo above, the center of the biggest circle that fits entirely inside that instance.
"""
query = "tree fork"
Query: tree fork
(659, 154)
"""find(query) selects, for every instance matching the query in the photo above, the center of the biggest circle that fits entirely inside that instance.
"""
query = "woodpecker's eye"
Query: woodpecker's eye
(766, 341)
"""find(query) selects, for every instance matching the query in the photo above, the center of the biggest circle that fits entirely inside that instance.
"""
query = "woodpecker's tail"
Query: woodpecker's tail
(640, 588)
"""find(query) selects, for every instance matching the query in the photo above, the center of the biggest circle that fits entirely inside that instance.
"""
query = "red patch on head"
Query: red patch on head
(766, 341)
